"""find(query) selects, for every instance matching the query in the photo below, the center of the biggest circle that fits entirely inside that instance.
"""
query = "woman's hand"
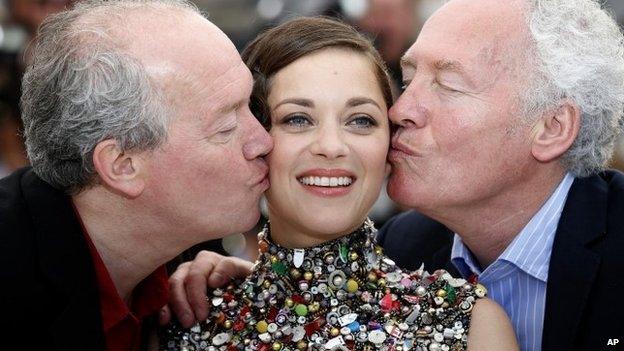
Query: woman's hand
(188, 285)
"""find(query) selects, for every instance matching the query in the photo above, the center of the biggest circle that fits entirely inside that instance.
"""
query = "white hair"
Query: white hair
(82, 88)
(579, 56)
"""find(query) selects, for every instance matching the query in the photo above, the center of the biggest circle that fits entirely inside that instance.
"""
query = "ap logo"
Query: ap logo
(613, 342)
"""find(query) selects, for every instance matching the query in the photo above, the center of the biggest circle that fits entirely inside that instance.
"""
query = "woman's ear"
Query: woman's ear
(555, 132)
(119, 171)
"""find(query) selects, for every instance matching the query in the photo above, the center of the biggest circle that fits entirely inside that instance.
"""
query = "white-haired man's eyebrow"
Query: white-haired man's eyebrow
(454, 66)
(449, 65)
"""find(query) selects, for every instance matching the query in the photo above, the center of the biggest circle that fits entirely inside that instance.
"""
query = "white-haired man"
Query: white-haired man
(142, 145)
(509, 115)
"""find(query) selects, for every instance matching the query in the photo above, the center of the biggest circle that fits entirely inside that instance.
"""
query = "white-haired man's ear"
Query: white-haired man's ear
(118, 171)
(555, 131)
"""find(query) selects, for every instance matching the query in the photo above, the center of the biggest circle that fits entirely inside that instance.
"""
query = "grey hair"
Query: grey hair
(81, 88)
(579, 56)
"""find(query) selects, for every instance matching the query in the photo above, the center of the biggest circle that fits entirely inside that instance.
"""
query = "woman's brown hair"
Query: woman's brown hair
(280, 46)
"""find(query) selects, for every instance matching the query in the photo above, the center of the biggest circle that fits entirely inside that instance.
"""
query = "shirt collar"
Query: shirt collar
(148, 296)
(531, 248)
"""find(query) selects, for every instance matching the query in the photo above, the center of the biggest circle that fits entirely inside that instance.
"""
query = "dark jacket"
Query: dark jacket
(49, 297)
(584, 294)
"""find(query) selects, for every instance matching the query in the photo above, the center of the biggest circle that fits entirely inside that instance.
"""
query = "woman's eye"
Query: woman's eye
(362, 122)
(297, 121)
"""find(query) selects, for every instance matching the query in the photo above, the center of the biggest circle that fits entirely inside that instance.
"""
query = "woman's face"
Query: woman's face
(331, 135)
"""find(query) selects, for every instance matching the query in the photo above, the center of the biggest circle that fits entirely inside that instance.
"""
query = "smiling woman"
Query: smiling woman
(320, 281)
(329, 126)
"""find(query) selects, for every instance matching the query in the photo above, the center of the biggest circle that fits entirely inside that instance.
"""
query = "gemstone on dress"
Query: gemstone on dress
(480, 290)
(301, 310)
(262, 326)
(352, 286)
(386, 302)
(279, 267)
(347, 319)
(221, 339)
(344, 252)
(334, 343)
(377, 337)
(336, 279)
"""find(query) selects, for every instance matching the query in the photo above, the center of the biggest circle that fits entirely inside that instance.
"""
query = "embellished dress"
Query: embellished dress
(341, 295)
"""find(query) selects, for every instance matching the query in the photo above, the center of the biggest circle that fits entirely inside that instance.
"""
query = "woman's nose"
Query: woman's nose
(330, 142)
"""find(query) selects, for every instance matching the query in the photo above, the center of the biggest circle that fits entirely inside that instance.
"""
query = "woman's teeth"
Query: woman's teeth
(326, 181)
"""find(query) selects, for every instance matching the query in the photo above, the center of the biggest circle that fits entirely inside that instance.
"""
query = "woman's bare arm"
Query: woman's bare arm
(490, 328)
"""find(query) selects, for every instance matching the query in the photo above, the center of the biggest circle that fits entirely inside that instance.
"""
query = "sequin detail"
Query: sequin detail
(341, 295)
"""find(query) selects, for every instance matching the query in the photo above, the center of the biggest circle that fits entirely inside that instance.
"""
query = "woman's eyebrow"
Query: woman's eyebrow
(296, 101)
(360, 100)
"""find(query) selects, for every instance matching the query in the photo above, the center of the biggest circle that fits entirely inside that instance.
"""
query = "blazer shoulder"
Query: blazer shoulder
(13, 207)
(408, 223)
(411, 238)
(615, 183)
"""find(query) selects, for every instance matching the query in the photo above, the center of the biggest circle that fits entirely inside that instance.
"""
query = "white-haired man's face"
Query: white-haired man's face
(459, 140)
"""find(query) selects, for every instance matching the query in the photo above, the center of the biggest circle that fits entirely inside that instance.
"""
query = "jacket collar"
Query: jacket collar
(573, 266)
(65, 263)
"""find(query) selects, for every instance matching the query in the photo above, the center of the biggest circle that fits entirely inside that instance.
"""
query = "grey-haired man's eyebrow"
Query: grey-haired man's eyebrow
(405, 61)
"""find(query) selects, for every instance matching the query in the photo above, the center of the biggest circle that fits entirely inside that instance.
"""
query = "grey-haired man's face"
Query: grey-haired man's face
(209, 175)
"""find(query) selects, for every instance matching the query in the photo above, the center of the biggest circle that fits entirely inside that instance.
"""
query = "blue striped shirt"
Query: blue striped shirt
(517, 278)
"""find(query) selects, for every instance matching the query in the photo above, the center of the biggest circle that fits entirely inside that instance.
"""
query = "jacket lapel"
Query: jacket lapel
(573, 266)
(65, 262)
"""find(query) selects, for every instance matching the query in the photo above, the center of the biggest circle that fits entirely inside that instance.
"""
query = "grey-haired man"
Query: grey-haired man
(142, 145)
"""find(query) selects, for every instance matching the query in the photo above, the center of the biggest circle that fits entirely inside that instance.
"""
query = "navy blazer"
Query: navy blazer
(584, 293)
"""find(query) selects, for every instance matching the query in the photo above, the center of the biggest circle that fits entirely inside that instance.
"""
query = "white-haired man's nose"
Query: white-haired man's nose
(408, 112)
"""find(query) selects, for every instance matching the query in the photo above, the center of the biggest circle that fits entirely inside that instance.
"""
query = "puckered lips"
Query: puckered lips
(399, 150)
(327, 182)
(262, 180)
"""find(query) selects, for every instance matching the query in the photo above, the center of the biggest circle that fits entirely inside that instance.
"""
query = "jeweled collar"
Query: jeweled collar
(354, 250)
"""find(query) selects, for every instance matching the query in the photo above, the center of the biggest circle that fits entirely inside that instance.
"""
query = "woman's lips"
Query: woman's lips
(327, 182)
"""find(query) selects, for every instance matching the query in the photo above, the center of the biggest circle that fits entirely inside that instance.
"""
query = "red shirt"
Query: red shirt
(122, 323)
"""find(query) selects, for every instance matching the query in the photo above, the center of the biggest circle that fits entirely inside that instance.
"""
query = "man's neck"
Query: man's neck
(127, 241)
(487, 229)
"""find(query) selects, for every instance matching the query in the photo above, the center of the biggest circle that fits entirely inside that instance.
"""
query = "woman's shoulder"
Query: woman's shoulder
(440, 289)
(456, 306)
(437, 306)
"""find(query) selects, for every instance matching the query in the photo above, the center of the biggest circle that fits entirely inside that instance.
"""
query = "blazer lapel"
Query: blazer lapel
(573, 266)
(66, 263)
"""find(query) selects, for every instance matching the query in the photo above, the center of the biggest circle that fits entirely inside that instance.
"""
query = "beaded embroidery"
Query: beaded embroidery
(341, 295)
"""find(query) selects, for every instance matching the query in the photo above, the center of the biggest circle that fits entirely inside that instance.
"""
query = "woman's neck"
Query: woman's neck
(293, 235)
